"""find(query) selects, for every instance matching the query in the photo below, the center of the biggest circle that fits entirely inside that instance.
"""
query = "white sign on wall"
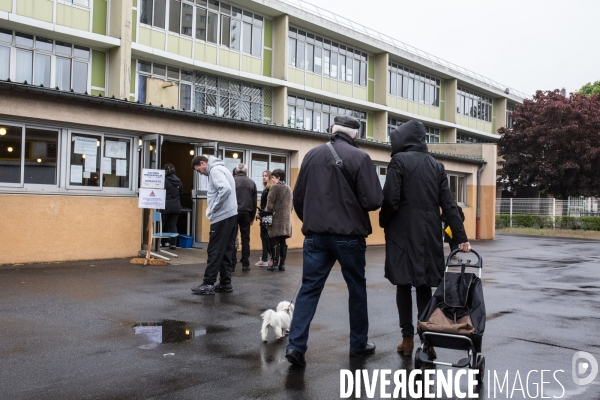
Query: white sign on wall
(153, 178)
(152, 198)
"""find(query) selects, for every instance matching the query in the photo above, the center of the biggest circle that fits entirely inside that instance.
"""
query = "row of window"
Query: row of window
(214, 22)
(210, 94)
(463, 138)
(413, 85)
(432, 135)
(40, 61)
(41, 157)
(325, 57)
(473, 104)
(317, 116)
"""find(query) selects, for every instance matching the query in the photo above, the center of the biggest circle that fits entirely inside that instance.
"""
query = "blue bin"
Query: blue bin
(185, 241)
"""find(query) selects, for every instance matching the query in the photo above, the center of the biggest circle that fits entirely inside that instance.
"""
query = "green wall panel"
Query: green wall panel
(371, 89)
(132, 75)
(267, 61)
(98, 68)
(6, 5)
(98, 93)
(268, 36)
(370, 125)
(72, 17)
(99, 18)
(371, 67)
(38, 9)
(134, 27)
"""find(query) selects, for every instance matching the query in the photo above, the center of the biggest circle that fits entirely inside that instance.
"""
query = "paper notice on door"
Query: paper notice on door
(76, 173)
(257, 169)
(121, 167)
(106, 166)
(85, 145)
(115, 149)
(90, 162)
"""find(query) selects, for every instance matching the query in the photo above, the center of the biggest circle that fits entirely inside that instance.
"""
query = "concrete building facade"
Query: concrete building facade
(92, 91)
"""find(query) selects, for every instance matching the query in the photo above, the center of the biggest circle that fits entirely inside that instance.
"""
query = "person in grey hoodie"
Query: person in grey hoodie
(222, 212)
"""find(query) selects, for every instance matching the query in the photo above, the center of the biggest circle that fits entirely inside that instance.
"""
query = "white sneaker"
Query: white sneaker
(261, 264)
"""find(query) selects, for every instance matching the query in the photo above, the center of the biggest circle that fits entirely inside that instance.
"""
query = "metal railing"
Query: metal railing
(355, 26)
(550, 207)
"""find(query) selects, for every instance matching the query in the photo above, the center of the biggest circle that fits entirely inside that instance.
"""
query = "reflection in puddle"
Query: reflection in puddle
(170, 331)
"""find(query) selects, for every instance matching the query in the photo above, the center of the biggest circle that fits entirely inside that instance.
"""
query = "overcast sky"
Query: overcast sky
(528, 45)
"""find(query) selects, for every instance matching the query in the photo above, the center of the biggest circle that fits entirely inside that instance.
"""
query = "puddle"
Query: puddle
(171, 331)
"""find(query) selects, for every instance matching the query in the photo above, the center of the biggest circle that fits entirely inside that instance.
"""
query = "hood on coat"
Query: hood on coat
(409, 136)
(213, 162)
(173, 178)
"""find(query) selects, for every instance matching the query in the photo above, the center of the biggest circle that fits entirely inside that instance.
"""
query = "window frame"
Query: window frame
(404, 82)
(462, 197)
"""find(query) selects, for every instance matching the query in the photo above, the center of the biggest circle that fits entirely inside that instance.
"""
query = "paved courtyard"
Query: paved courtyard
(68, 330)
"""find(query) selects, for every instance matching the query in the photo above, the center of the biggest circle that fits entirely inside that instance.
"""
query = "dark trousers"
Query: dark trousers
(243, 221)
(319, 254)
(169, 224)
(266, 244)
(404, 304)
(220, 244)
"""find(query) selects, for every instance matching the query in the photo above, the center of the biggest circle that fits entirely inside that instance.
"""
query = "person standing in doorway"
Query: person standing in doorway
(264, 233)
(246, 194)
(416, 187)
(170, 214)
(334, 211)
(279, 203)
(221, 211)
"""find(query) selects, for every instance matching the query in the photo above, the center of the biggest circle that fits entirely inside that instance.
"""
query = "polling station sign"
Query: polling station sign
(152, 198)
(153, 178)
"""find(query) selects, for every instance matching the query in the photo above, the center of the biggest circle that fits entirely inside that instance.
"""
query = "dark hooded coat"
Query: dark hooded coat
(416, 187)
(174, 190)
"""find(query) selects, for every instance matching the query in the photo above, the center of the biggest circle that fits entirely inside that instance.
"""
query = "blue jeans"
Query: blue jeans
(320, 252)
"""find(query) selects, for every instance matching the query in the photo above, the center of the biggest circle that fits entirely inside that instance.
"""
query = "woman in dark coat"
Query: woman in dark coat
(170, 214)
(264, 234)
(451, 240)
(415, 189)
(279, 202)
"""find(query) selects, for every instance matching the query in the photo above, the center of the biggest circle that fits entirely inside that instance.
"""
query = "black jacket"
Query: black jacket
(324, 201)
(447, 238)
(174, 189)
(245, 190)
(416, 186)
(263, 198)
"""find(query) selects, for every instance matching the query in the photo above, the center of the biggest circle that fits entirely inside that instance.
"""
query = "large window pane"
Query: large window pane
(160, 11)
(236, 31)
(256, 41)
(185, 96)
(356, 64)
(349, 75)
(279, 162)
(174, 15)
(308, 119)
(334, 65)
(299, 118)
(146, 14)
(300, 58)
(326, 62)
(292, 116)
(80, 75)
(187, 15)
(41, 156)
(142, 87)
(291, 49)
(24, 70)
(247, 47)
(84, 172)
(4, 63)
(200, 23)
(342, 68)
(42, 70)
(225, 30)
(393, 84)
(363, 75)
(212, 32)
(310, 57)
(10, 153)
(63, 73)
(116, 164)
(318, 60)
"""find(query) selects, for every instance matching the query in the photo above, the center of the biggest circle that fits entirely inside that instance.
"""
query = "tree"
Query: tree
(590, 89)
(554, 145)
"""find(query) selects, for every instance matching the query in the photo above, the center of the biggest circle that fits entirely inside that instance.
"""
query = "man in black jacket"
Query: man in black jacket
(245, 190)
(335, 222)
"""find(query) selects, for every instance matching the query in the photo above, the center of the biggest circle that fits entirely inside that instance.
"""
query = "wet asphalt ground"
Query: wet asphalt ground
(68, 331)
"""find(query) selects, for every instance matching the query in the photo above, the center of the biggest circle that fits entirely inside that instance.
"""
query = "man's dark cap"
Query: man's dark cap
(348, 122)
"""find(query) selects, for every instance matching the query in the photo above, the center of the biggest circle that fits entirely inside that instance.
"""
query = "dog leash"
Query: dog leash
(296, 293)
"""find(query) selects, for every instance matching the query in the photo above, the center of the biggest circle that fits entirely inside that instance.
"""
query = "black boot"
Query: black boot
(275, 266)
(282, 256)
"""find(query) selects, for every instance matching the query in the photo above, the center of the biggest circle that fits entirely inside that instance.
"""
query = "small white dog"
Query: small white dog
(280, 320)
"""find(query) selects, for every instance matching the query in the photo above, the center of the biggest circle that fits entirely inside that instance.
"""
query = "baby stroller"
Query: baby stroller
(454, 318)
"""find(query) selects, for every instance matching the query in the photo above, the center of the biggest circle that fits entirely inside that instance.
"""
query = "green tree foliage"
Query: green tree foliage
(554, 145)
(590, 89)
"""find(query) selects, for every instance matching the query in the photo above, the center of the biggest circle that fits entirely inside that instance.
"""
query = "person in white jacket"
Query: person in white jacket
(221, 211)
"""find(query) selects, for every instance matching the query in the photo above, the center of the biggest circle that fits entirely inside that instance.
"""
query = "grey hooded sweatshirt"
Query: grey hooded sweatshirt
(222, 202)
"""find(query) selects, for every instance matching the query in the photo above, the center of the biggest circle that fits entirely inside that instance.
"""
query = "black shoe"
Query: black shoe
(295, 357)
(245, 269)
(369, 349)
(204, 289)
(281, 267)
(223, 288)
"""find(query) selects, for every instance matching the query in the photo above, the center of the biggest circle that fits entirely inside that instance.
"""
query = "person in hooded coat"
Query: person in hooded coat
(415, 189)
(170, 214)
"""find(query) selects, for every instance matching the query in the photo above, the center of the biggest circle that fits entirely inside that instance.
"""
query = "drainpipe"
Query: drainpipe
(478, 219)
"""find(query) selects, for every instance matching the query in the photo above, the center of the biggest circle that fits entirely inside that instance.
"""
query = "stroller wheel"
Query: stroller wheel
(481, 367)
(418, 363)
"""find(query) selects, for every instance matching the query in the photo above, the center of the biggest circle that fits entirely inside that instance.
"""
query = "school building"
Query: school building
(149, 82)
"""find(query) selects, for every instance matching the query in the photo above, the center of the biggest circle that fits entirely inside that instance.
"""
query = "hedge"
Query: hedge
(545, 221)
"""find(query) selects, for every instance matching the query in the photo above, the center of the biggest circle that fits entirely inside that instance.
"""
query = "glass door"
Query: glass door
(149, 145)
(201, 226)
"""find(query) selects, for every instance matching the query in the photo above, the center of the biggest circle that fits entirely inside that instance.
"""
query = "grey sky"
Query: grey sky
(525, 44)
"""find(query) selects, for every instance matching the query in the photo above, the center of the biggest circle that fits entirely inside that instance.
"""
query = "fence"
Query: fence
(549, 211)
